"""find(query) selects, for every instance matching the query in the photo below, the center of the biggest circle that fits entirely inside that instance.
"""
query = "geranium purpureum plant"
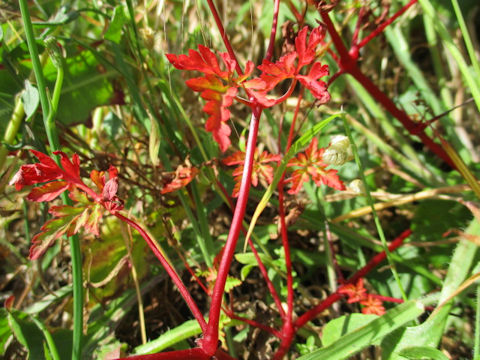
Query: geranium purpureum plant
(306, 165)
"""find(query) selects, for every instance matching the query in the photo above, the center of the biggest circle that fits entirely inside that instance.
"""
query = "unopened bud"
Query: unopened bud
(333, 156)
(54, 51)
(339, 151)
(357, 187)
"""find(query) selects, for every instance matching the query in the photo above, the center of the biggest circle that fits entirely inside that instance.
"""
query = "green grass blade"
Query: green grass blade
(364, 336)
(470, 80)
(372, 205)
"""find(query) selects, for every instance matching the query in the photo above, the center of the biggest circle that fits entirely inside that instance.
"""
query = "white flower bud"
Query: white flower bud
(357, 186)
(333, 156)
(339, 151)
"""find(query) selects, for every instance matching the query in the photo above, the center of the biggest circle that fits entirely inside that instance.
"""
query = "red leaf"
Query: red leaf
(204, 61)
(306, 50)
(283, 69)
(310, 164)
(98, 178)
(182, 177)
(218, 87)
(372, 305)
(51, 231)
(260, 170)
(47, 170)
(355, 293)
(109, 192)
(217, 108)
(31, 174)
(48, 191)
(71, 169)
(310, 81)
(68, 220)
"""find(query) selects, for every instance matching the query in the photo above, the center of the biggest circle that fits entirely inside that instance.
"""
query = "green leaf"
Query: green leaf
(186, 330)
(338, 327)
(430, 332)
(52, 230)
(423, 352)
(119, 19)
(30, 99)
(231, 283)
(27, 334)
(5, 331)
(434, 217)
(87, 84)
(364, 336)
(154, 142)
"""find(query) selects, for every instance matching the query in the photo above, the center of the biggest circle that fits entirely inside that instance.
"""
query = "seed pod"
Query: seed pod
(333, 156)
(54, 51)
(357, 186)
(339, 151)
(339, 142)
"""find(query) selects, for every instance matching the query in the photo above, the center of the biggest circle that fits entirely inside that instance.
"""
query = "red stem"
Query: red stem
(383, 25)
(220, 27)
(170, 271)
(254, 323)
(347, 63)
(288, 329)
(271, 44)
(210, 340)
(375, 261)
(288, 259)
(190, 354)
(261, 265)
(264, 272)
(341, 280)
(387, 298)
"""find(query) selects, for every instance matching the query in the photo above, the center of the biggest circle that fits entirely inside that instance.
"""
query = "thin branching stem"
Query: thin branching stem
(374, 262)
(347, 64)
(169, 269)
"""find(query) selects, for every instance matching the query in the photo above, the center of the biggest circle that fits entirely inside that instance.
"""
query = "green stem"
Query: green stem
(450, 45)
(52, 347)
(49, 110)
(476, 346)
(12, 129)
(374, 212)
(466, 38)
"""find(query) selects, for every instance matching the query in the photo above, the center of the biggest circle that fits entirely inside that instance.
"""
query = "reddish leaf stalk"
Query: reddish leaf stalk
(288, 330)
(261, 265)
(210, 340)
(220, 27)
(253, 323)
(264, 272)
(375, 261)
(190, 354)
(271, 44)
(347, 63)
(387, 298)
(288, 259)
(170, 270)
(384, 24)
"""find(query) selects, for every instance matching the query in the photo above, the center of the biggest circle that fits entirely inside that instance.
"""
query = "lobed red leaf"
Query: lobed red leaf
(48, 191)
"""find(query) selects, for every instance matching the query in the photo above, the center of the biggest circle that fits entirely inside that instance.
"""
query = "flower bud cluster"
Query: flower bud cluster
(339, 151)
